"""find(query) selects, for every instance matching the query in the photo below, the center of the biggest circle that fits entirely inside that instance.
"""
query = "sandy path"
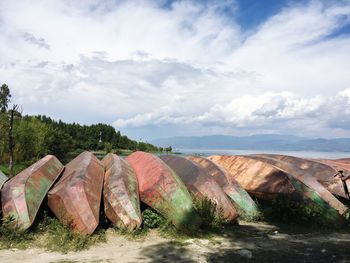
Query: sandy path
(249, 242)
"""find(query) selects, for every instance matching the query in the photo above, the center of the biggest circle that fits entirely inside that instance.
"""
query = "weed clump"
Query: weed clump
(49, 234)
(152, 219)
(296, 212)
(211, 215)
(61, 238)
(12, 237)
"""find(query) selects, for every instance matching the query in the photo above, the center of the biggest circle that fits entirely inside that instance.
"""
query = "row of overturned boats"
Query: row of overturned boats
(79, 192)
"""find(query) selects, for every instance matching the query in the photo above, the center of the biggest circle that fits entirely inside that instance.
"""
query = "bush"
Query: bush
(10, 237)
(151, 219)
(297, 212)
(211, 215)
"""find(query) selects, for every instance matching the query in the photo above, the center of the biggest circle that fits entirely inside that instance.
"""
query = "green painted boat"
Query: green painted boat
(268, 178)
(22, 195)
(162, 189)
(242, 201)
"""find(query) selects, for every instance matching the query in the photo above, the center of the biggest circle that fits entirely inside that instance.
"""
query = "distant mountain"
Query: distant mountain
(255, 142)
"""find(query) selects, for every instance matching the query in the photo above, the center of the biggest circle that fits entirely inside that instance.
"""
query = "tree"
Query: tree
(5, 97)
(11, 142)
(168, 149)
(4, 123)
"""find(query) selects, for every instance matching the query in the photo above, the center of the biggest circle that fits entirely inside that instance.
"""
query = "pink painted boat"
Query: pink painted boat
(121, 193)
(75, 199)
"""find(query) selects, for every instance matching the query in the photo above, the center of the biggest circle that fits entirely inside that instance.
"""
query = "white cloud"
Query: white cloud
(188, 66)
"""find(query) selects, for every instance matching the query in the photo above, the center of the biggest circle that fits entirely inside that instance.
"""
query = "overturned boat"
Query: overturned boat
(322, 170)
(270, 178)
(241, 199)
(76, 198)
(22, 195)
(161, 189)
(121, 193)
(201, 184)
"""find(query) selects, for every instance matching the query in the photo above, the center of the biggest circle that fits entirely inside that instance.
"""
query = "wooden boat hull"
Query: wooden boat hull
(241, 199)
(258, 178)
(201, 184)
(23, 194)
(307, 187)
(121, 193)
(76, 198)
(313, 190)
(161, 188)
(322, 170)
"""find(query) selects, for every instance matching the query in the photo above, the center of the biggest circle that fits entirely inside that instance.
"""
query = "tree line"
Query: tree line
(29, 138)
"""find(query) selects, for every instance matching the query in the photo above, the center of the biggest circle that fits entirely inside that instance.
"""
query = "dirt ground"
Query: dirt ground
(246, 242)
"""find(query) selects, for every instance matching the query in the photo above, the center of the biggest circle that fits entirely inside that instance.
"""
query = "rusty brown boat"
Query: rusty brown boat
(162, 189)
(201, 184)
(258, 178)
(242, 201)
(121, 193)
(22, 195)
(322, 170)
(76, 198)
(269, 178)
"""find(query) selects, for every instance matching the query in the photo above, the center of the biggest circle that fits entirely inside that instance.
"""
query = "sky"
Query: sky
(174, 68)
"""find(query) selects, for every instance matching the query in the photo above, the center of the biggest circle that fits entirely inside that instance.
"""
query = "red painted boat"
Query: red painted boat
(76, 198)
(201, 184)
(161, 188)
(22, 195)
(240, 198)
(121, 193)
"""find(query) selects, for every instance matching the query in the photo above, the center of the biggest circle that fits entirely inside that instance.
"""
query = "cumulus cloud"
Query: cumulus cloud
(184, 66)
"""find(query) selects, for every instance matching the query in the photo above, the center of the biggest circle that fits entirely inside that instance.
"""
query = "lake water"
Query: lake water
(305, 154)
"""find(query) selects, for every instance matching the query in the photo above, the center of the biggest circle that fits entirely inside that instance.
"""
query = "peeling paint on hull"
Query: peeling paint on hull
(200, 183)
(305, 186)
(76, 198)
(322, 170)
(161, 188)
(121, 194)
(23, 194)
(241, 199)
(258, 178)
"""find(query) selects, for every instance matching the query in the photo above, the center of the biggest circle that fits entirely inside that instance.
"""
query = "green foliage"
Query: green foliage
(62, 239)
(49, 234)
(16, 169)
(210, 214)
(152, 219)
(5, 97)
(297, 212)
(168, 149)
(10, 237)
(108, 147)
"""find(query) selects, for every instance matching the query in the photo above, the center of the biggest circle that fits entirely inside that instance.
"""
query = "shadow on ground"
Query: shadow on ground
(258, 242)
(167, 252)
